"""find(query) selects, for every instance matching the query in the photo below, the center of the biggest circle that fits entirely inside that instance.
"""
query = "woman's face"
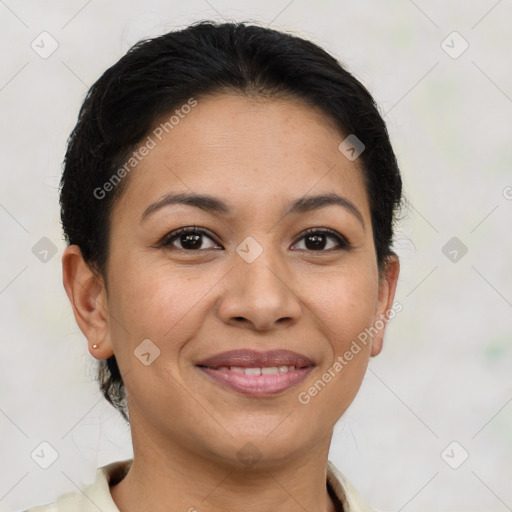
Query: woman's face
(251, 278)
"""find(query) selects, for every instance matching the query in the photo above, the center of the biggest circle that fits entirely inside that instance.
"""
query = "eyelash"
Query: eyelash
(342, 242)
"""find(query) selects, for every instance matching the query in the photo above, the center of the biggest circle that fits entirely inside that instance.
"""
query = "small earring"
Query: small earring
(95, 346)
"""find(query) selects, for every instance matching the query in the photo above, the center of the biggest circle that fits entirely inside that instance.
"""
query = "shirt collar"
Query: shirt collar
(345, 492)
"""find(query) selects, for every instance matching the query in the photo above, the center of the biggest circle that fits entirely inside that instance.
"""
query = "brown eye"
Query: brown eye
(189, 239)
(322, 240)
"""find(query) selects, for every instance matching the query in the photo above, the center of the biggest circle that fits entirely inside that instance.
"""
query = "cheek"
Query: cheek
(344, 306)
(350, 308)
(344, 312)
(159, 303)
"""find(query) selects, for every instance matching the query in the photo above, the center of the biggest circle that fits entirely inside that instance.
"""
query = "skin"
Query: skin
(257, 156)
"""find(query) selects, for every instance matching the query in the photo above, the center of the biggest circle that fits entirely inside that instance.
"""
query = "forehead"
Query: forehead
(244, 149)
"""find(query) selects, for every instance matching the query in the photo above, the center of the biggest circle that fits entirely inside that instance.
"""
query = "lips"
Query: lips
(253, 359)
(257, 374)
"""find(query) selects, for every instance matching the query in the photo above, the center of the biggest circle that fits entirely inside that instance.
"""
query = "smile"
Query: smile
(257, 381)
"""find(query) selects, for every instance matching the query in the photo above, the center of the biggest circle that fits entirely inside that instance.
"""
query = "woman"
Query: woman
(228, 199)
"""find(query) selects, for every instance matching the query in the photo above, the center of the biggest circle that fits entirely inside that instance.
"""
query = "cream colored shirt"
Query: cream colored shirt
(96, 496)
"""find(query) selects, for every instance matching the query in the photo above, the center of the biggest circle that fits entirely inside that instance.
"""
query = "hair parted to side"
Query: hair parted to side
(159, 74)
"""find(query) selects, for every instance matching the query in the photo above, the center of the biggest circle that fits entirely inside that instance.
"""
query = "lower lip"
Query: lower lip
(258, 385)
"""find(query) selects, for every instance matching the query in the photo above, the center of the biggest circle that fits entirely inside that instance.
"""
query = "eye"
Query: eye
(194, 239)
(189, 239)
(317, 239)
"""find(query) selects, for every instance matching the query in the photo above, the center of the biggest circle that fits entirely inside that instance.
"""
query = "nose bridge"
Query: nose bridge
(258, 292)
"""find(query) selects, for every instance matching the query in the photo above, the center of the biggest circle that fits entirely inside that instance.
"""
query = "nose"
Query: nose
(257, 296)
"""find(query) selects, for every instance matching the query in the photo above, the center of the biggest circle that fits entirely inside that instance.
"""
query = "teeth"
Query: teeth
(268, 370)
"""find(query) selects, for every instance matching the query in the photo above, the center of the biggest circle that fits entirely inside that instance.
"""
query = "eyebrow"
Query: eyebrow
(213, 205)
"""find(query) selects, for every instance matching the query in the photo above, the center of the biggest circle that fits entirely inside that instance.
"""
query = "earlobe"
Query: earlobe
(86, 292)
(387, 288)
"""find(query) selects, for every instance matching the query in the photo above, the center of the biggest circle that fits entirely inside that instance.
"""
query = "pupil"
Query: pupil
(193, 241)
(317, 241)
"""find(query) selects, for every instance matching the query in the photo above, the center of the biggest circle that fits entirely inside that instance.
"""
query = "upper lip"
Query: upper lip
(245, 358)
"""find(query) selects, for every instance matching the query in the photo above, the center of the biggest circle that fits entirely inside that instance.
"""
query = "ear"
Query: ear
(384, 309)
(87, 294)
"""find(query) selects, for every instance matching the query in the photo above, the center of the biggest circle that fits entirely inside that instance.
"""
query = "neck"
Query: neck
(176, 479)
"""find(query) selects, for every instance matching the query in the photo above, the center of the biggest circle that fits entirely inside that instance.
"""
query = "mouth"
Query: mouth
(255, 373)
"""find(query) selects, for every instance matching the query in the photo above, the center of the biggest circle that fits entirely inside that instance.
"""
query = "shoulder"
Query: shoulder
(93, 496)
(346, 492)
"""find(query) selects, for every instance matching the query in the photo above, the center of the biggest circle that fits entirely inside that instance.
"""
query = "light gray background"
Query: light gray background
(445, 373)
